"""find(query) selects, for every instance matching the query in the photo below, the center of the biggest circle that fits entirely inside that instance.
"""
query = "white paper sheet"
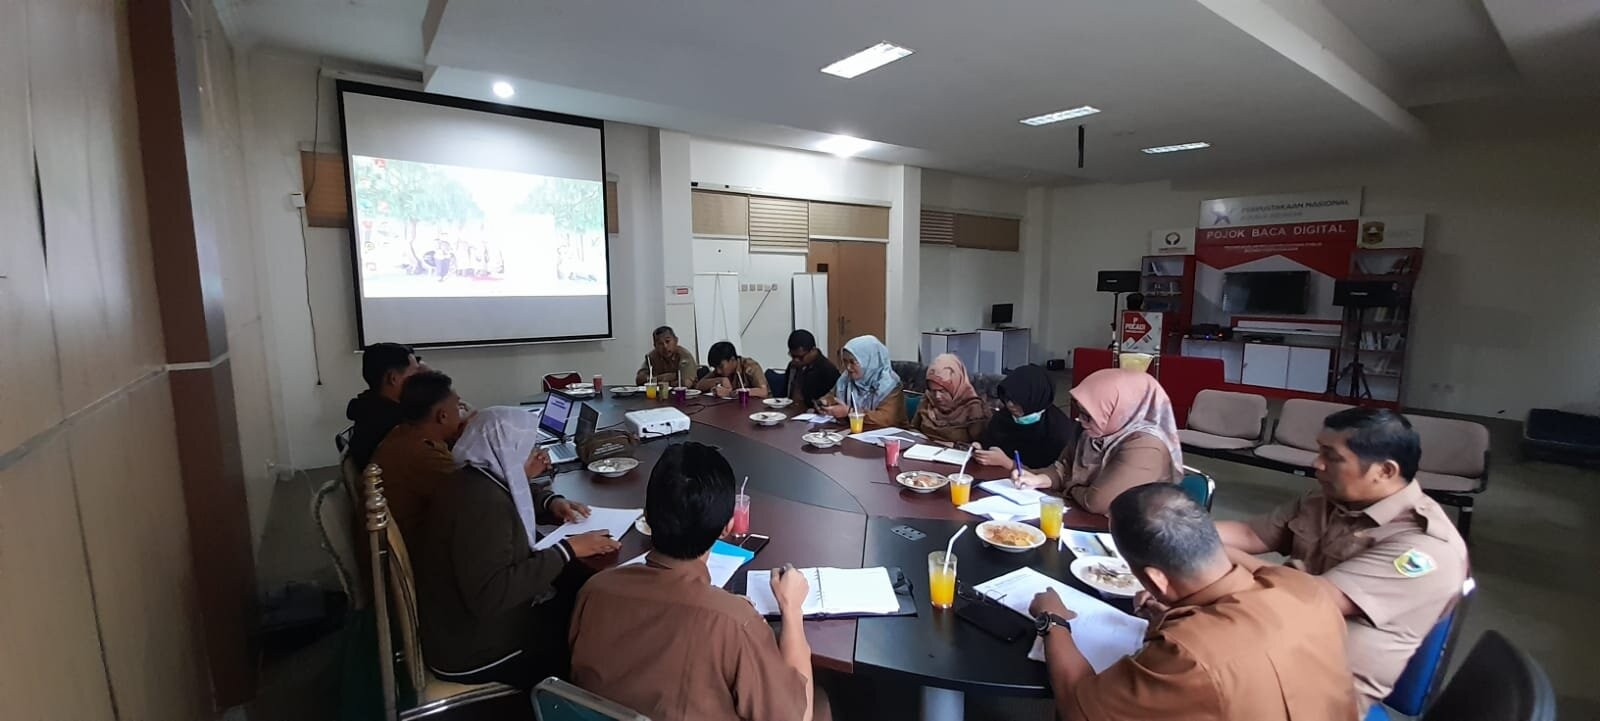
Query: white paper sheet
(1083, 543)
(812, 418)
(1001, 508)
(833, 592)
(1017, 495)
(1101, 632)
(615, 521)
(722, 565)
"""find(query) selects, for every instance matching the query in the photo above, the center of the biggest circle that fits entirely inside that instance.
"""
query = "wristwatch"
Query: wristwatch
(1043, 622)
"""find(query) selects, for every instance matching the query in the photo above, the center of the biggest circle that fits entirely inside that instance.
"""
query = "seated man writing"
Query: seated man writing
(667, 362)
(1226, 643)
(658, 638)
(810, 375)
(1382, 550)
(730, 372)
(415, 456)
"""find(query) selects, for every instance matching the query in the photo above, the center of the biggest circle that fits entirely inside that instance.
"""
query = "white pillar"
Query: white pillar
(1036, 234)
(904, 284)
(669, 180)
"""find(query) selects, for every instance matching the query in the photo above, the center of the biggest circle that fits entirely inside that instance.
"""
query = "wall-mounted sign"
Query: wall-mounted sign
(1172, 241)
(1141, 332)
(1392, 231)
(1276, 209)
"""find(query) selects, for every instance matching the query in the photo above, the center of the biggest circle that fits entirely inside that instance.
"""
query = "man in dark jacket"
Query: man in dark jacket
(385, 367)
(811, 375)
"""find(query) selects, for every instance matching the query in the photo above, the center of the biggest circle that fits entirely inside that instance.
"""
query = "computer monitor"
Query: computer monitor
(1000, 314)
(557, 409)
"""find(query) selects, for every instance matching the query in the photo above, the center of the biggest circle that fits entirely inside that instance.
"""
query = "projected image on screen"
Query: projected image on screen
(435, 231)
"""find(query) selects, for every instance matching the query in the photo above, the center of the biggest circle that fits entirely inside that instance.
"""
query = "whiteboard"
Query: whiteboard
(811, 306)
(716, 311)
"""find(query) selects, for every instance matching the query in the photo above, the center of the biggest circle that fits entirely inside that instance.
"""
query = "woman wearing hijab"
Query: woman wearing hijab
(491, 607)
(1030, 426)
(1129, 439)
(951, 411)
(868, 385)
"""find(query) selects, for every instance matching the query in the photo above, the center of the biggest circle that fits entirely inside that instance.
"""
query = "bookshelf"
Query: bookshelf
(1167, 284)
(1385, 331)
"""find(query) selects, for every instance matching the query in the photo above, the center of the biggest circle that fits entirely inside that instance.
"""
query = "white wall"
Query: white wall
(1507, 308)
(960, 284)
(766, 317)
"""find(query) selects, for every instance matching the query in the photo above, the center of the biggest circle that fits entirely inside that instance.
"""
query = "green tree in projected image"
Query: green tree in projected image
(416, 192)
(575, 206)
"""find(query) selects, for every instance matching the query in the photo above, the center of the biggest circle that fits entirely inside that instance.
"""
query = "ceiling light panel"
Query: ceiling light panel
(872, 58)
(1060, 115)
(503, 89)
(1159, 149)
(843, 146)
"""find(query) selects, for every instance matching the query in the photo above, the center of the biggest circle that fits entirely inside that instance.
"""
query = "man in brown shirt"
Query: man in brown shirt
(667, 362)
(1386, 554)
(415, 456)
(658, 638)
(1267, 646)
(730, 371)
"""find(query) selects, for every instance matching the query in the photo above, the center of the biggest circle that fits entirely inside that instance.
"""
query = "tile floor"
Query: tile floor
(1535, 553)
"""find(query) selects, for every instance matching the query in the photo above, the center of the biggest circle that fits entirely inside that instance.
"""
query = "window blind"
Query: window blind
(778, 225)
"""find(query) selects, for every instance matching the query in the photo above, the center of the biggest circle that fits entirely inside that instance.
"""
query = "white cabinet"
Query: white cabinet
(1002, 349)
(1300, 368)
(1308, 369)
(962, 345)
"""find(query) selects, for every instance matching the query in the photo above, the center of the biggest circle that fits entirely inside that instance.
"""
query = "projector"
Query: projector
(656, 422)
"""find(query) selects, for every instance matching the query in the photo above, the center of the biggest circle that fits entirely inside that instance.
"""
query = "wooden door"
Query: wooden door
(857, 279)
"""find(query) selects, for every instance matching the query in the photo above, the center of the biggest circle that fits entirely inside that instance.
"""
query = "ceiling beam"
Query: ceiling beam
(1554, 43)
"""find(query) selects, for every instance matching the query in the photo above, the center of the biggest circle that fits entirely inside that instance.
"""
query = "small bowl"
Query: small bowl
(904, 479)
(613, 467)
(1081, 568)
(579, 389)
(778, 402)
(691, 393)
(768, 418)
(1035, 534)
(625, 391)
(823, 439)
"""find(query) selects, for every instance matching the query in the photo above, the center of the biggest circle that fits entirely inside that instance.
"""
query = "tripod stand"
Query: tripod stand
(1355, 370)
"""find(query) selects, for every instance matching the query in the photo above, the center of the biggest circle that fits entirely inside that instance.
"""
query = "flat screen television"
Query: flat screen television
(1286, 292)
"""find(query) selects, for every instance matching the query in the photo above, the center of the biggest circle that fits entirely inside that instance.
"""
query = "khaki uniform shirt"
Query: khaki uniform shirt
(660, 639)
(414, 469)
(1267, 647)
(668, 369)
(1399, 560)
(749, 373)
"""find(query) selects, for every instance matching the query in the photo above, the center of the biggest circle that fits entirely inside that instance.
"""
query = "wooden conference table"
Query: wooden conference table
(837, 507)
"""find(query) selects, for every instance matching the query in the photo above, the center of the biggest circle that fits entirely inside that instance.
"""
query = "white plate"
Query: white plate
(904, 481)
(642, 526)
(823, 439)
(1081, 566)
(613, 467)
(691, 393)
(1035, 534)
(585, 390)
(625, 391)
(777, 402)
(768, 418)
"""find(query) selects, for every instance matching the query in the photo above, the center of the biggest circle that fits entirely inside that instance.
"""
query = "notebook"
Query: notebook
(1102, 633)
(835, 592)
(1023, 496)
(925, 452)
(1001, 508)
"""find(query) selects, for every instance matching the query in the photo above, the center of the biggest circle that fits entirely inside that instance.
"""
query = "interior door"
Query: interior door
(857, 282)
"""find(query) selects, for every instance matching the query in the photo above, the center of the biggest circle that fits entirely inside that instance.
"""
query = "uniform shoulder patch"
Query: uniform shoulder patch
(1414, 564)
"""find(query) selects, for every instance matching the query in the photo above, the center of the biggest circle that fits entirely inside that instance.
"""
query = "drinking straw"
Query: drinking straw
(963, 471)
(742, 485)
(950, 548)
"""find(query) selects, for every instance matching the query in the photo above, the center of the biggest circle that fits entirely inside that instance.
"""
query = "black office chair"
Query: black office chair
(1497, 682)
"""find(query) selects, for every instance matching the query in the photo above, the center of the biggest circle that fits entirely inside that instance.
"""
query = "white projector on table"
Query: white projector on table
(656, 422)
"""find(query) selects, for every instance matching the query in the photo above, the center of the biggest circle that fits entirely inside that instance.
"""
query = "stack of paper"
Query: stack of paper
(1023, 496)
(724, 561)
(615, 521)
(907, 438)
(812, 418)
(1001, 508)
(935, 454)
(1101, 632)
(1083, 543)
(834, 592)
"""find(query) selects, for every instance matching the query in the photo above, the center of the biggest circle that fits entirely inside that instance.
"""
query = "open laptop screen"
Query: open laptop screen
(557, 409)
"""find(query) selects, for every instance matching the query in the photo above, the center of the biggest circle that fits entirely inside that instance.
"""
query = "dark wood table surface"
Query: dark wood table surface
(833, 508)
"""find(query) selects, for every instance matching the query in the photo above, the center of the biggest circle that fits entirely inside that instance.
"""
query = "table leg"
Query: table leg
(942, 704)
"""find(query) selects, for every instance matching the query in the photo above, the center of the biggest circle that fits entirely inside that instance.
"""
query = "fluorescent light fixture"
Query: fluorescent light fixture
(1061, 115)
(1175, 148)
(503, 89)
(843, 146)
(872, 58)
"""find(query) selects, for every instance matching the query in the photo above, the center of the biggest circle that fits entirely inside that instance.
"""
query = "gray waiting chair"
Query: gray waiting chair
(557, 700)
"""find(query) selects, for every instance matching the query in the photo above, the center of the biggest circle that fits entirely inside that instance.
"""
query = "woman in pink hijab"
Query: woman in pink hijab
(1129, 439)
(951, 411)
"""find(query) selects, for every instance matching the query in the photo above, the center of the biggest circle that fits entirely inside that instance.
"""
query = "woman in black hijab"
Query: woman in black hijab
(1031, 425)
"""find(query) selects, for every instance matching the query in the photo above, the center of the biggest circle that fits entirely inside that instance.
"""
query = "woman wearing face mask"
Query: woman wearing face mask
(1129, 439)
(1031, 425)
(951, 412)
(868, 385)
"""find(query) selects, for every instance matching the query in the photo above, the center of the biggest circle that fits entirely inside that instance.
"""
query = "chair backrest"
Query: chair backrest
(1425, 670)
(1200, 486)
(913, 402)
(1497, 682)
(1301, 420)
(377, 525)
(558, 381)
(403, 602)
(557, 700)
(913, 375)
(1223, 413)
(335, 517)
(987, 386)
(341, 440)
(778, 383)
(1452, 447)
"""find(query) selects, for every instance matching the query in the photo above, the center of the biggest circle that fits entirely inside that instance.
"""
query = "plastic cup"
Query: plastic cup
(741, 516)
(680, 395)
(650, 390)
(1050, 509)
(960, 488)
(891, 452)
(941, 580)
(858, 421)
(744, 397)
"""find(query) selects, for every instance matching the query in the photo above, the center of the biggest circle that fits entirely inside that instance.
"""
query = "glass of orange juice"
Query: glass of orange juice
(650, 390)
(1050, 510)
(941, 579)
(858, 421)
(960, 488)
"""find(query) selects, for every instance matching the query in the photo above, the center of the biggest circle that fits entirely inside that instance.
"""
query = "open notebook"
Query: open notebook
(836, 592)
(1103, 634)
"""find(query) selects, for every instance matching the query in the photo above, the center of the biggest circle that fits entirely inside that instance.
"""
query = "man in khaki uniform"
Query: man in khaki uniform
(1387, 554)
(730, 372)
(1266, 645)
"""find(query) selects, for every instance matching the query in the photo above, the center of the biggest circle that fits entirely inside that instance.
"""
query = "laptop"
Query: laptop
(560, 449)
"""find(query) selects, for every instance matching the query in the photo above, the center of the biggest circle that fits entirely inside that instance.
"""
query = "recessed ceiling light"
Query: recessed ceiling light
(1061, 115)
(872, 58)
(1175, 148)
(503, 89)
(843, 146)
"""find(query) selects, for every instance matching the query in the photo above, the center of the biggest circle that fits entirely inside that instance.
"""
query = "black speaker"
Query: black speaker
(1118, 281)
(1366, 293)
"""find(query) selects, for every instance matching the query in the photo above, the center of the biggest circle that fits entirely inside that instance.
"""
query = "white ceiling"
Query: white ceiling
(1265, 81)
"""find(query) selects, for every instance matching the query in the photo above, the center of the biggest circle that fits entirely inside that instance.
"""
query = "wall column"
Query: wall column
(1036, 234)
(669, 177)
(905, 264)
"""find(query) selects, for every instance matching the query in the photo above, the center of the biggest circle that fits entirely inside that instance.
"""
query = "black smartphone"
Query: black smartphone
(997, 621)
(754, 543)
